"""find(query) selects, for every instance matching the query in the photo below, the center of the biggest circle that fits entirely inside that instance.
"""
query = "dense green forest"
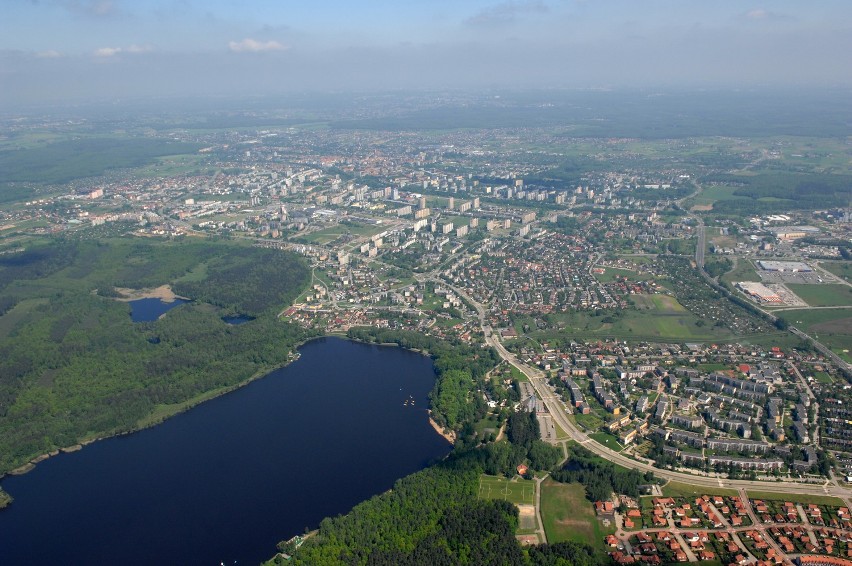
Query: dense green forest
(599, 477)
(433, 517)
(64, 161)
(73, 366)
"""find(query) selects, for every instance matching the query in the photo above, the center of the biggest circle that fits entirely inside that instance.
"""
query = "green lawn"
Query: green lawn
(795, 498)
(744, 271)
(608, 440)
(824, 295)
(568, 515)
(517, 491)
(677, 489)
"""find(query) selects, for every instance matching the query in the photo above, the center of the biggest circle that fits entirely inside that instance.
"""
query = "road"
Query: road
(553, 402)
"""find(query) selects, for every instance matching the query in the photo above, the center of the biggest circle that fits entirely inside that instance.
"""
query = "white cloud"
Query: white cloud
(249, 45)
(107, 51)
(49, 54)
(113, 51)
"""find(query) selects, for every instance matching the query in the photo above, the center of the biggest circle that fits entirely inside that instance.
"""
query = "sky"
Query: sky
(67, 50)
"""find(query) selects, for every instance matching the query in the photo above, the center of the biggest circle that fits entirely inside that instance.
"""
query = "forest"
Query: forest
(434, 517)
(599, 477)
(64, 161)
(74, 366)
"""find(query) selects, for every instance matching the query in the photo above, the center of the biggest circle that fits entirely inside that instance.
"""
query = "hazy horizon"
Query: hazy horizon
(77, 50)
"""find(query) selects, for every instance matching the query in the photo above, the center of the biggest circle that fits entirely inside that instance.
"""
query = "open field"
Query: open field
(658, 318)
(795, 498)
(712, 194)
(842, 269)
(677, 489)
(744, 271)
(608, 440)
(568, 516)
(661, 303)
(517, 491)
(823, 295)
(832, 327)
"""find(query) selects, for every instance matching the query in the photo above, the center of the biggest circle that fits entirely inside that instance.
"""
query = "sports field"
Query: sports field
(517, 491)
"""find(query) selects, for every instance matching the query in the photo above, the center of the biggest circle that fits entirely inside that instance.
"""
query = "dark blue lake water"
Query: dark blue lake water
(146, 310)
(227, 480)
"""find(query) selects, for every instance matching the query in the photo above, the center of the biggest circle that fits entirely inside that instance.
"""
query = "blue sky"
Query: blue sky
(85, 48)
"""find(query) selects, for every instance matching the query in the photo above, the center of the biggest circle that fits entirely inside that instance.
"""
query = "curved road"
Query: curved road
(557, 410)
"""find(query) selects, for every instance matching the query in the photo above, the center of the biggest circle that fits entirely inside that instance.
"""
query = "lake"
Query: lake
(146, 310)
(227, 480)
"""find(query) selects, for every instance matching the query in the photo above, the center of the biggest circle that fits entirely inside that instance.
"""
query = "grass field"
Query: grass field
(744, 271)
(842, 269)
(608, 440)
(712, 194)
(795, 498)
(517, 491)
(677, 489)
(568, 515)
(824, 295)
(657, 317)
(832, 327)
(661, 303)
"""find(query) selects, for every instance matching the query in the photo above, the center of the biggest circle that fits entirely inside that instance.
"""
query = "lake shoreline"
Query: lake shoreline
(258, 431)
(156, 419)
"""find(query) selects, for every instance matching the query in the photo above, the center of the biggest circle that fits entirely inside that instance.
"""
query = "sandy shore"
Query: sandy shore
(163, 292)
(450, 436)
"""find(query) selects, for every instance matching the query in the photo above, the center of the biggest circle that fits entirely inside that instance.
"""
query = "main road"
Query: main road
(553, 402)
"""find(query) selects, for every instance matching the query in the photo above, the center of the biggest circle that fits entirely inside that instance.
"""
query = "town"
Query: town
(643, 316)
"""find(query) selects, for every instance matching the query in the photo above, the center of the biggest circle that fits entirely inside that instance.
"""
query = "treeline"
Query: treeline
(433, 517)
(599, 477)
(460, 368)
